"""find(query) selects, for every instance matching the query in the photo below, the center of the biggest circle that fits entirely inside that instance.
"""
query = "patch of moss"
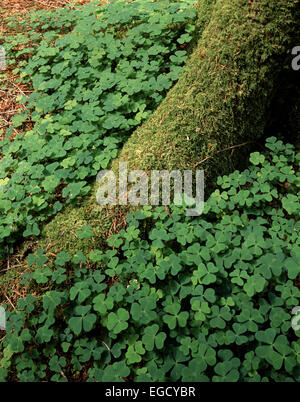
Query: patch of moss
(61, 232)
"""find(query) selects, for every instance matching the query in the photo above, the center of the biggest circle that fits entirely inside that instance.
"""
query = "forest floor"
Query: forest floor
(10, 88)
(10, 91)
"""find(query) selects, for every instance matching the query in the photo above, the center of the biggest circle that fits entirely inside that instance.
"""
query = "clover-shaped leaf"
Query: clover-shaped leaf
(152, 337)
(266, 336)
(81, 291)
(226, 372)
(102, 303)
(115, 372)
(117, 322)
(175, 317)
(194, 371)
(134, 352)
(201, 308)
(86, 232)
(82, 320)
(256, 158)
(62, 258)
(42, 275)
(291, 204)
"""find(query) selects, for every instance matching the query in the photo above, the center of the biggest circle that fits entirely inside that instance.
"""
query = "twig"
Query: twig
(9, 125)
(106, 345)
(222, 150)
(14, 266)
(12, 111)
(10, 302)
(16, 86)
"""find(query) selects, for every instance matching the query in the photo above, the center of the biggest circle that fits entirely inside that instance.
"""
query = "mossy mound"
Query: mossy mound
(220, 102)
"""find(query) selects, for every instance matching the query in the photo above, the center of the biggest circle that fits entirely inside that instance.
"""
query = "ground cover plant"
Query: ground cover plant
(161, 85)
(89, 93)
(188, 299)
(10, 88)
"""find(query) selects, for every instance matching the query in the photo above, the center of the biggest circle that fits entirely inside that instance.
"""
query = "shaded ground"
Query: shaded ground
(11, 288)
(10, 88)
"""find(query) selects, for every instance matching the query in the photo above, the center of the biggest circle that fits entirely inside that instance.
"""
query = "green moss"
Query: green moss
(220, 102)
(61, 232)
(7, 279)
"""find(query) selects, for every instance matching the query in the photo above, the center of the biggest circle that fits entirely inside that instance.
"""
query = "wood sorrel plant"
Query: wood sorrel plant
(174, 298)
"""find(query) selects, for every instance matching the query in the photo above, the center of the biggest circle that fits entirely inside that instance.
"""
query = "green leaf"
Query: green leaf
(256, 158)
(193, 373)
(153, 338)
(117, 322)
(83, 320)
(134, 352)
(86, 232)
(115, 372)
(291, 204)
(266, 336)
